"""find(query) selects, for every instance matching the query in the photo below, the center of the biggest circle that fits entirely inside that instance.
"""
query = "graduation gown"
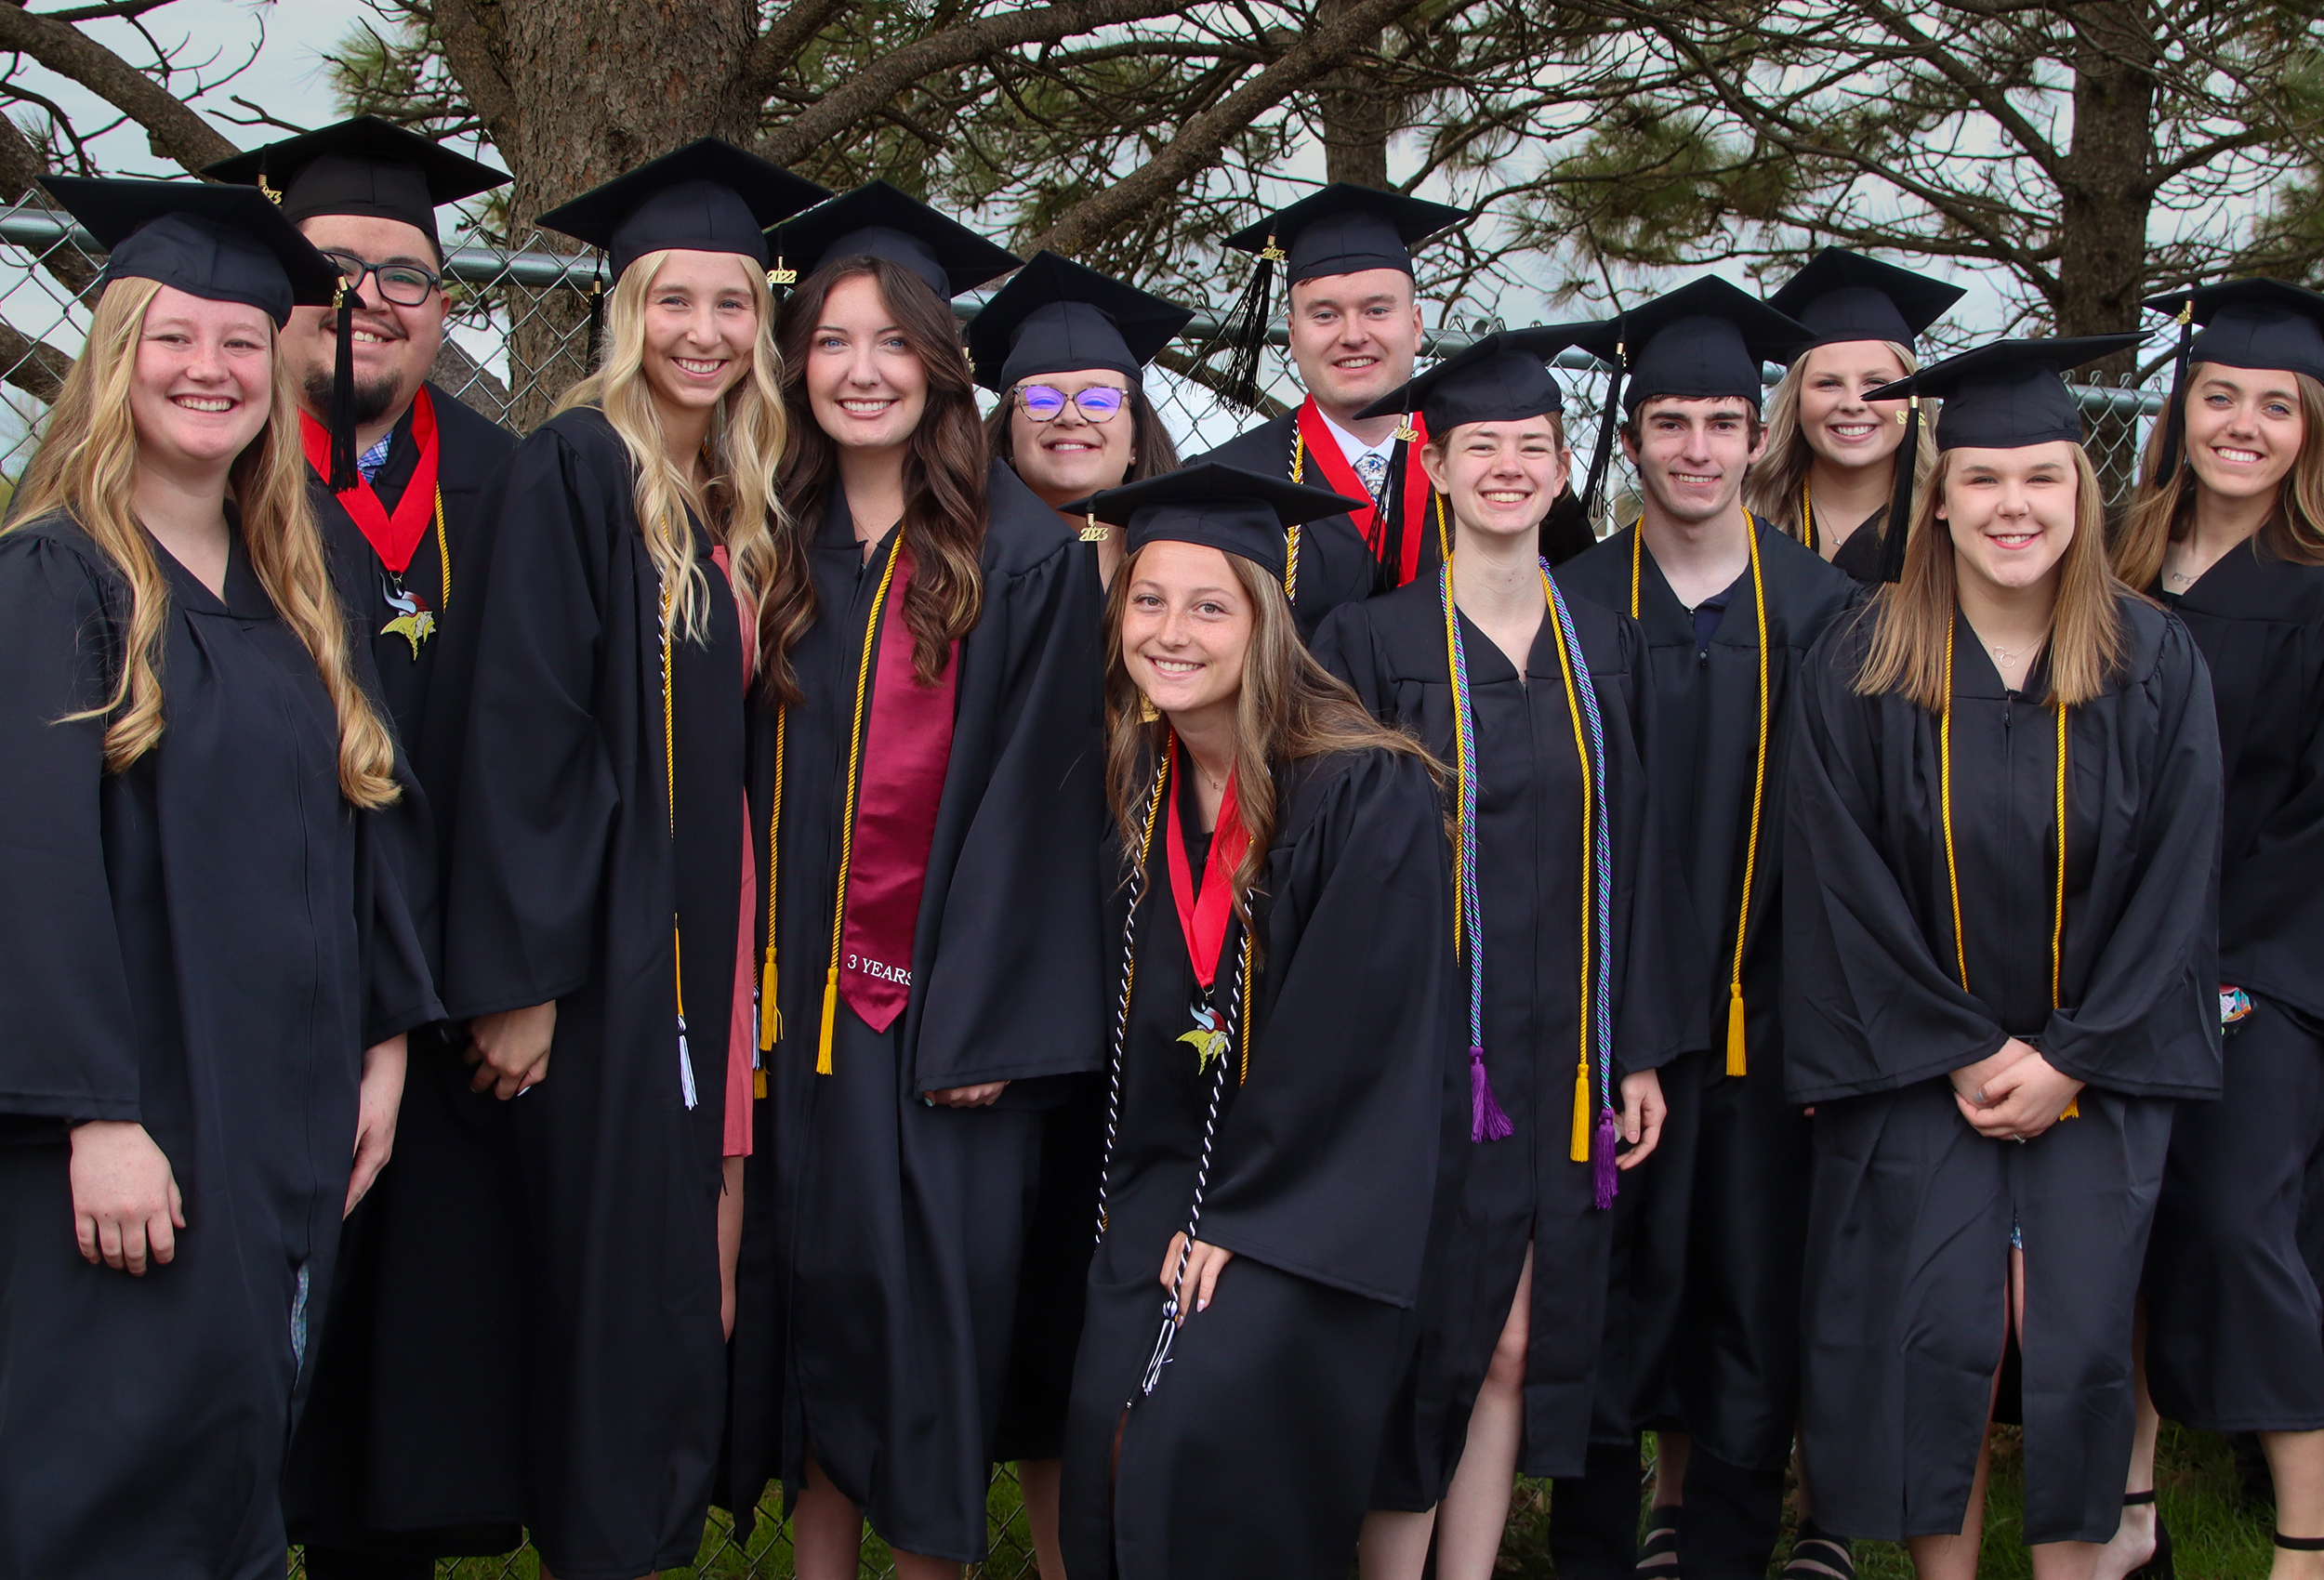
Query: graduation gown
(563, 876)
(2235, 1337)
(421, 1327)
(1497, 1198)
(1336, 565)
(1713, 1227)
(1914, 1211)
(884, 1237)
(1253, 1456)
(203, 945)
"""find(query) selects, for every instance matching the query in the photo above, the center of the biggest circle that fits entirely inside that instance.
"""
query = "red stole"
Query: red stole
(1323, 451)
(906, 747)
(1203, 920)
(393, 537)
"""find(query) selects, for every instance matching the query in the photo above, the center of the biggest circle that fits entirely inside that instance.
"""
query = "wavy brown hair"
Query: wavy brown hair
(943, 478)
(1772, 492)
(2164, 514)
(1913, 619)
(1151, 450)
(1290, 707)
(86, 468)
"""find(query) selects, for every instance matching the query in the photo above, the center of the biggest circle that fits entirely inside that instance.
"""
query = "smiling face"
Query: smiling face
(1691, 453)
(395, 345)
(1355, 337)
(864, 383)
(2010, 512)
(700, 324)
(1069, 457)
(2244, 428)
(204, 381)
(1498, 478)
(1186, 628)
(1842, 428)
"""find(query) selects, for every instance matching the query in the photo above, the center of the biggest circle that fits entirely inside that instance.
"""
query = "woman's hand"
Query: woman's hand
(1201, 1280)
(1643, 1114)
(1972, 1083)
(2022, 1102)
(510, 1048)
(376, 1102)
(126, 1209)
(969, 1097)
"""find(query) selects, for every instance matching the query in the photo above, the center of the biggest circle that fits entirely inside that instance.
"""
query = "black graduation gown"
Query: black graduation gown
(563, 876)
(430, 1258)
(203, 945)
(1911, 1225)
(2234, 1335)
(1710, 1341)
(884, 1237)
(1336, 565)
(1496, 1198)
(1253, 1456)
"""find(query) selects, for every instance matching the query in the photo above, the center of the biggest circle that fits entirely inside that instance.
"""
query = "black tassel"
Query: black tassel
(597, 318)
(1247, 330)
(342, 415)
(1388, 518)
(1898, 526)
(2174, 415)
(1607, 421)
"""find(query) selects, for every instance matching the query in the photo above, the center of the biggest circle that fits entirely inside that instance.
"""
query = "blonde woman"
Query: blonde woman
(1830, 474)
(2229, 534)
(2001, 917)
(598, 867)
(208, 967)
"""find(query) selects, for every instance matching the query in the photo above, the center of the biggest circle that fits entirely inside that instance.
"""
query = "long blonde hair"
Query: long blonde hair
(1772, 491)
(86, 468)
(739, 506)
(2164, 514)
(1290, 707)
(1913, 619)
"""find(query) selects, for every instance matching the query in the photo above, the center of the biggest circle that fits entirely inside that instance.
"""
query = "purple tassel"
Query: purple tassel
(1602, 1158)
(1486, 1122)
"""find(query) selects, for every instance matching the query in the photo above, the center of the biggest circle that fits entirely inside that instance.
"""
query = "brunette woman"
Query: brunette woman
(2229, 534)
(2002, 835)
(598, 868)
(925, 768)
(1535, 701)
(1281, 1040)
(1829, 475)
(208, 964)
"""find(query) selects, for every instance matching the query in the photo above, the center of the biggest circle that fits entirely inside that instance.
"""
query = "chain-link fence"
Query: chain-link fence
(518, 336)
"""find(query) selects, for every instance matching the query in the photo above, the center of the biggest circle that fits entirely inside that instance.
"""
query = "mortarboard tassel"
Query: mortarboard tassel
(1602, 1158)
(597, 317)
(1486, 1122)
(1604, 451)
(344, 474)
(1246, 329)
(2174, 417)
(1899, 523)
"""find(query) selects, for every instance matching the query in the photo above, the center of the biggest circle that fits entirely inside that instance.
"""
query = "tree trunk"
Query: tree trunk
(1357, 114)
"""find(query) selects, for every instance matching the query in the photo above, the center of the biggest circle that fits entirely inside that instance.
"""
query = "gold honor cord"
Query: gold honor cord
(847, 827)
(1578, 1152)
(1291, 532)
(1738, 1061)
(443, 554)
(1952, 870)
(1807, 517)
(669, 785)
(769, 974)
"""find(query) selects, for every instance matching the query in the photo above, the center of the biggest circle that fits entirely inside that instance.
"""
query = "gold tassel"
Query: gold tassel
(1581, 1112)
(758, 1083)
(770, 1004)
(2073, 1110)
(830, 1008)
(1735, 1063)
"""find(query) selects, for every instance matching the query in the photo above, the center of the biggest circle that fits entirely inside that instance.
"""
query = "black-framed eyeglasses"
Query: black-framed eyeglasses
(1044, 402)
(406, 285)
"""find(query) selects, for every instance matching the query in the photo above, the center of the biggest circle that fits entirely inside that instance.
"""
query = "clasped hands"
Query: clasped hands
(2013, 1094)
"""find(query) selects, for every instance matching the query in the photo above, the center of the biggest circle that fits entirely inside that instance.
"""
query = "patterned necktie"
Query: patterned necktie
(1371, 469)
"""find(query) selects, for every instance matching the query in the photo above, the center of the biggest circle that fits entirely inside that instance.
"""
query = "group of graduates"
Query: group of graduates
(1276, 993)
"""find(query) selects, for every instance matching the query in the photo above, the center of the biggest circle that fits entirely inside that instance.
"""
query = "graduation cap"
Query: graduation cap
(1058, 316)
(2247, 324)
(707, 197)
(1342, 229)
(365, 166)
(1705, 339)
(1843, 295)
(878, 221)
(1221, 507)
(2003, 395)
(1503, 377)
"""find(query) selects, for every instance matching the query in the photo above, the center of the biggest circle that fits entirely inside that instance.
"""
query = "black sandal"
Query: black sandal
(2161, 1566)
(1659, 1554)
(1818, 1556)
(2300, 1544)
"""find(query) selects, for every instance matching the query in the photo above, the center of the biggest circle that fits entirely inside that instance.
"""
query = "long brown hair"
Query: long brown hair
(86, 468)
(1151, 450)
(1290, 707)
(1913, 619)
(943, 478)
(1772, 491)
(2164, 514)
(738, 506)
